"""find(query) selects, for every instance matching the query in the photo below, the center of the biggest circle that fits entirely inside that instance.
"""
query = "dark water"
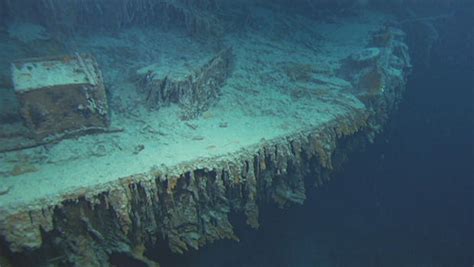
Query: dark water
(407, 200)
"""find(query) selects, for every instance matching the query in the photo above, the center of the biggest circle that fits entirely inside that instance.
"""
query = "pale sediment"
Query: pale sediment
(188, 205)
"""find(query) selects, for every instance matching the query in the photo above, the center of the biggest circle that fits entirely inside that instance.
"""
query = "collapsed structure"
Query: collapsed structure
(194, 91)
(180, 183)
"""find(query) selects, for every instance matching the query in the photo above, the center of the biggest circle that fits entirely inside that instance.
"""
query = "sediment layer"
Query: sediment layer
(188, 205)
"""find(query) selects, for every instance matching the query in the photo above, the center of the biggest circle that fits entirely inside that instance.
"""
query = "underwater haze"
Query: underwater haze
(243, 133)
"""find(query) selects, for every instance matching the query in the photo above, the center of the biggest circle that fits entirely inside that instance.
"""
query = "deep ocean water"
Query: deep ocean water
(404, 199)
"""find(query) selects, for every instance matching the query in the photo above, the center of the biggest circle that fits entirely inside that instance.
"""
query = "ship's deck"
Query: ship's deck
(285, 82)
